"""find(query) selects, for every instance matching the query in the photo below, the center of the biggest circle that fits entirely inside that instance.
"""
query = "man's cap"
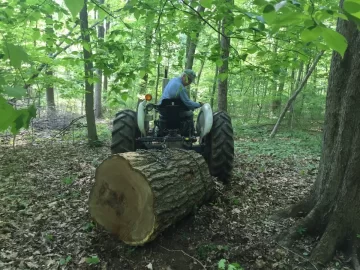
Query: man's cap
(191, 74)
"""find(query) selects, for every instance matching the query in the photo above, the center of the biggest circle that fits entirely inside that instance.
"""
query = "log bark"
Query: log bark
(137, 195)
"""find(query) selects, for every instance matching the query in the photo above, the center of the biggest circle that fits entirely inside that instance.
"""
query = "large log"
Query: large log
(139, 194)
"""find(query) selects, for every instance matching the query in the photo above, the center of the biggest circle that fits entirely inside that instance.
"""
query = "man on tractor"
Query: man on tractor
(175, 90)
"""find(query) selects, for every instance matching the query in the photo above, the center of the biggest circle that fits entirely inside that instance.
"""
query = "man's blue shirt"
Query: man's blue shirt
(176, 90)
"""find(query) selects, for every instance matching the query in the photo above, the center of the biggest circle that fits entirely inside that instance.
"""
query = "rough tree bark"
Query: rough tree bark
(89, 87)
(50, 97)
(137, 195)
(99, 74)
(106, 79)
(224, 68)
(332, 209)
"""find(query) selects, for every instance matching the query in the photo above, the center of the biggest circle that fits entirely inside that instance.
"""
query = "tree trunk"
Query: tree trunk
(50, 97)
(295, 86)
(224, 69)
(198, 80)
(146, 57)
(106, 79)
(293, 97)
(332, 209)
(214, 87)
(191, 44)
(88, 67)
(137, 195)
(99, 85)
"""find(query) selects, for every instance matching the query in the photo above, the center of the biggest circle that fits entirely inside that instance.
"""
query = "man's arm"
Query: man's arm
(186, 100)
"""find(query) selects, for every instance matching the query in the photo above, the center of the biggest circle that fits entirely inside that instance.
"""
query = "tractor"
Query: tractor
(164, 126)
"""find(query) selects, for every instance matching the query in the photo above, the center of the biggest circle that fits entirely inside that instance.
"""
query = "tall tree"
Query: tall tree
(224, 68)
(107, 29)
(99, 74)
(295, 94)
(50, 97)
(146, 57)
(88, 70)
(191, 42)
(332, 207)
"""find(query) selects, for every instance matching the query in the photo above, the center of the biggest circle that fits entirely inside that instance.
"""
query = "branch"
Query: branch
(183, 252)
(53, 56)
(305, 259)
(161, 11)
(63, 130)
(103, 9)
(202, 18)
(293, 97)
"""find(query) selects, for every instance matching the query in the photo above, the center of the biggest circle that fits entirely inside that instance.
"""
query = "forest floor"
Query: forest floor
(45, 224)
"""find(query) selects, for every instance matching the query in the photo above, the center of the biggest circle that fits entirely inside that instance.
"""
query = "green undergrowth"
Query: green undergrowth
(296, 144)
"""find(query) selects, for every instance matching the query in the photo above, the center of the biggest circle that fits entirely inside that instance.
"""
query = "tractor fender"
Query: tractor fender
(205, 120)
(141, 117)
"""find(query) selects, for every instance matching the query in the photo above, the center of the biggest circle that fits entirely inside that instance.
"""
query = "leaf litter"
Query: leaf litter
(45, 224)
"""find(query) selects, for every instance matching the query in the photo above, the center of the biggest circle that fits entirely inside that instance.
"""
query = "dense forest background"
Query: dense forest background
(283, 70)
(250, 56)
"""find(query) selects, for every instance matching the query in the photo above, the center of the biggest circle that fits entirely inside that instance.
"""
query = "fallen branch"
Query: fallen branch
(187, 255)
(302, 257)
(63, 130)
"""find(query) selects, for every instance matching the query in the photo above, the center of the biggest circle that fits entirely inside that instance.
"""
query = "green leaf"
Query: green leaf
(20, 121)
(66, 260)
(16, 54)
(219, 62)
(269, 13)
(8, 114)
(142, 73)
(206, 3)
(86, 46)
(150, 17)
(159, 59)
(238, 21)
(16, 91)
(310, 35)
(351, 6)
(93, 260)
(351, 9)
(222, 264)
(68, 180)
(36, 34)
(334, 40)
(74, 6)
(223, 76)
(261, 2)
(252, 50)
(2, 81)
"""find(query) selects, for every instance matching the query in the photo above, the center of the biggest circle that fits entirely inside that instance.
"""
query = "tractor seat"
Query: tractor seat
(170, 110)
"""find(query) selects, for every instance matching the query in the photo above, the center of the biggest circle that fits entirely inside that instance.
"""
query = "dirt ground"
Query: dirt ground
(45, 224)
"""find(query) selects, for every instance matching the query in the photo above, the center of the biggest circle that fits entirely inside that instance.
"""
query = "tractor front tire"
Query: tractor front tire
(124, 133)
(219, 147)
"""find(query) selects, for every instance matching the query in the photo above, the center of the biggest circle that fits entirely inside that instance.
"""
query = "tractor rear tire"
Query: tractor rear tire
(219, 147)
(124, 133)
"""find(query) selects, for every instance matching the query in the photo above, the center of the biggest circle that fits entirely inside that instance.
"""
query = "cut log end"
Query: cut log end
(124, 207)
(138, 195)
